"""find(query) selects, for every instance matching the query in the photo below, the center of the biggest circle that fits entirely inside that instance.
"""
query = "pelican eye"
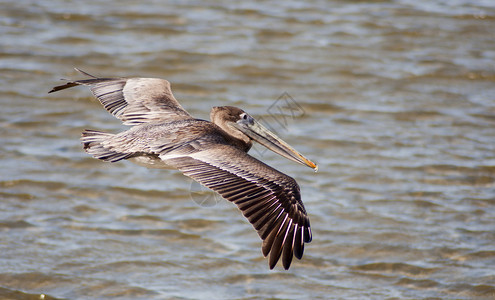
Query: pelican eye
(246, 119)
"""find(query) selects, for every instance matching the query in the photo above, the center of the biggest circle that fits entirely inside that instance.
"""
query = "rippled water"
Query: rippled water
(396, 104)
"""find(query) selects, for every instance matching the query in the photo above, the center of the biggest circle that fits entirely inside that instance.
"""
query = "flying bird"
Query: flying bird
(165, 135)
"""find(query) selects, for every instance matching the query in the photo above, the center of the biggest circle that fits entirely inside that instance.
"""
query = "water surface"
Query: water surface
(395, 103)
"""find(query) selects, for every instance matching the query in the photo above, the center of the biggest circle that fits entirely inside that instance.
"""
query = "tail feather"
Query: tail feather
(94, 144)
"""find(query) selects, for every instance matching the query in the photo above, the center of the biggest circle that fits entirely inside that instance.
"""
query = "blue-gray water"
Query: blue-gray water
(396, 105)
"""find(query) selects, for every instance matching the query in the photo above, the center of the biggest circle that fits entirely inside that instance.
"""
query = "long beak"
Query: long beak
(265, 137)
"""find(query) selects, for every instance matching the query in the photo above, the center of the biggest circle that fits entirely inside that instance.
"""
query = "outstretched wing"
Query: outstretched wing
(133, 100)
(269, 199)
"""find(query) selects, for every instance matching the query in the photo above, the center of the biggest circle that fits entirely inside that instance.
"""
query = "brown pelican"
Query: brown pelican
(214, 153)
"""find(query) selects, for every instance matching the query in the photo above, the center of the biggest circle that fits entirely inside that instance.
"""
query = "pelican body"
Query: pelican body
(164, 135)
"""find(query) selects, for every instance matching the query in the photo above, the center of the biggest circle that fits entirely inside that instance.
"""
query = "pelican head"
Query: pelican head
(239, 124)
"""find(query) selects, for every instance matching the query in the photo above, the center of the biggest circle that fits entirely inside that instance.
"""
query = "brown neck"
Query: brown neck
(236, 138)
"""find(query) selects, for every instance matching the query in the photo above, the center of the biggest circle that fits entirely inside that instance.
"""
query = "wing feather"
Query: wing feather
(133, 100)
(269, 199)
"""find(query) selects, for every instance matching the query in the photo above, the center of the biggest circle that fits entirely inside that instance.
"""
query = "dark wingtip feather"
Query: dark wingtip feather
(274, 257)
(268, 241)
(84, 73)
(70, 83)
(278, 244)
(308, 236)
(298, 244)
(287, 252)
(63, 86)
